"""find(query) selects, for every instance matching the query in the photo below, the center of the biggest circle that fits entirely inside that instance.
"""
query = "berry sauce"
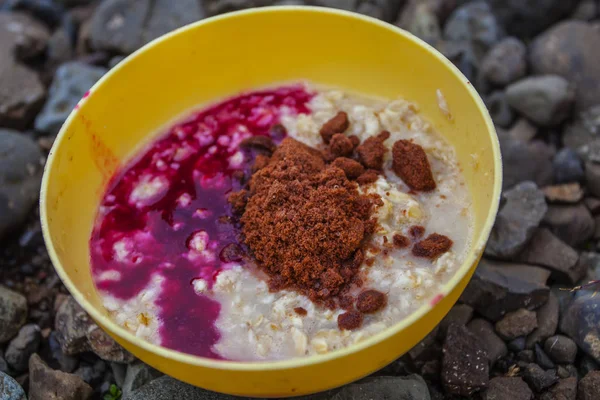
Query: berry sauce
(166, 216)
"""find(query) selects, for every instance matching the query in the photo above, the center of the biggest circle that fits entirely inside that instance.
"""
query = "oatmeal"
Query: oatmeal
(280, 224)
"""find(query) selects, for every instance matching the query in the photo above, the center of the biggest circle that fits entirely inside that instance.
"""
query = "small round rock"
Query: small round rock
(561, 349)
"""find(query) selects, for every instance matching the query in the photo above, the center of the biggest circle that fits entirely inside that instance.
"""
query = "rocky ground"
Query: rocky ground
(515, 334)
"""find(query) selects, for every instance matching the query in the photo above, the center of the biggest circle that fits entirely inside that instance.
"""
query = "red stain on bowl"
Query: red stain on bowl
(105, 160)
(165, 216)
(436, 299)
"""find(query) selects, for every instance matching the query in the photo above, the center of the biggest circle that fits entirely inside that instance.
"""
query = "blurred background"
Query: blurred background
(536, 63)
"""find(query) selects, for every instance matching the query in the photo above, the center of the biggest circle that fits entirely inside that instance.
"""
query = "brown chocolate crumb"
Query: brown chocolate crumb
(417, 231)
(278, 132)
(369, 176)
(300, 311)
(355, 141)
(400, 241)
(372, 150)
(353, 169)
(337, 124)
(231, 253)
(259, 143)
(432, 247)
(350, 320)
(370, 301)
(238, 200)
(341, 145)
(410, 163)
(305, 223)
(370, 261)
(260, 162)
(346, 302)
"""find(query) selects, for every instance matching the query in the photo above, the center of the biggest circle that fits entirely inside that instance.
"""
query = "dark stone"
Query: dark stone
(59, 359)
(526, 18)
(138, 374)
(589, 386)
(21, 167)
(71, 81)
(123, 26)
(505, 62)
(72, 324)
(426, 349)
(516, 323)
(567, 371)
(13, 313)
(517, 344)
(581, 322)
(547, 250)
(539, 379)
(497, 288)
(542, 358)
(526, 356)
(22, 347)
(526, 162)
(567, 193)
(420, 19)
(590, 152)
(10, 389)
(561, 349)
(507, 388)
(583, 129)
(569, 49)
(567, 166)
(500, 111)
(565, 389)
(547, 317)
(21, 92)
(587, 364)
(522, 130)
(572, 224)
(106, 347)
(460, 314)
(546, 100)
(60, 47)
(491, 343)
(465, 368)
(46, 383)
(592, 177)
(523, 209)
(385, 387)
(47, 11)
(91, 374)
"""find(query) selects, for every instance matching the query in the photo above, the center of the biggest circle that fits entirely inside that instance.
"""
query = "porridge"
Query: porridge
(281, 223)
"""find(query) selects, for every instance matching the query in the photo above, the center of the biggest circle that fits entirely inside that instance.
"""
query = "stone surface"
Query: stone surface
(590, 152)
(137, 375)
(592, 178)
(92, 373)
(475, 25)
(21, 167)
(10, 389)
(501, 113)
(561, 349)
(537, 378)
(583, 129)
(71, 81)
(589, 386)
(22, 347)
(21, 92)
(542, 359)
(505, 62)
(565, 389)
(123, 26)
(497, 288)
(516, 323)
(460, 314)
(72, 324)
(106, 348)
(593, 204)
(420, 19)
(59, 359)
(546, 100)
(547, 317)
(569, 49)
(572, 224)
(527, 18)
(507, 388)
(581, 322)
(568, 167)
(47, 11)
(465, 368)
(523, 210)
(491, 343)
(547, 250)
(526, 162)
(565, 193)
(522, 130)
(13, 313)
(48, 384)
(411, 387)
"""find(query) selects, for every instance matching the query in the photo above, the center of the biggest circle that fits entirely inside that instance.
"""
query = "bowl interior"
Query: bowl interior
(213, 59)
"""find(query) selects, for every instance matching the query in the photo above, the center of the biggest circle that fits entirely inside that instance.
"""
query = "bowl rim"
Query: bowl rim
(250, 366)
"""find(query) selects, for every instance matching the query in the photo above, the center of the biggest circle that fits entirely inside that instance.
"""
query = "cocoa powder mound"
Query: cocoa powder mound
(305, 223)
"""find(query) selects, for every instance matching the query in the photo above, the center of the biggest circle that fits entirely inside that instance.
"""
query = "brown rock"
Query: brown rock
(523, 130)
(547, 250)
(517, 323)
(72, 324)
(565, 193)
(589, 386)
(570, 49)
(492, 344)
(507, 388)
(547, 318)
(48, 384)
(465, 368)
(565, 389)
(106, 348)
(593, 204)
(460, 314)
(539, 379)
(572, 224)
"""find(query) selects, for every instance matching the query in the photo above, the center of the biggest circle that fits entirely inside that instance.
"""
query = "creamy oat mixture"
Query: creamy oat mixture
(243, 319)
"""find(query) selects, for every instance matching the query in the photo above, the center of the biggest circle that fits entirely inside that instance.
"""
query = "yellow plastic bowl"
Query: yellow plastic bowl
(220, 57)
